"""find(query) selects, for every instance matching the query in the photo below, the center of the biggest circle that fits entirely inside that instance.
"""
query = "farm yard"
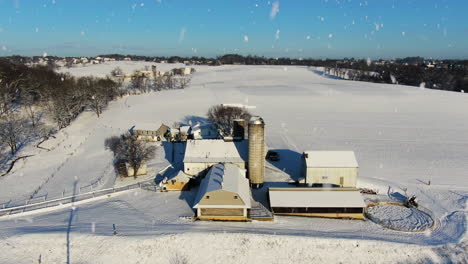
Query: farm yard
(404, 137)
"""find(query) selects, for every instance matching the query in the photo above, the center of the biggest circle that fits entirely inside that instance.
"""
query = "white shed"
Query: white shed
(338, 168)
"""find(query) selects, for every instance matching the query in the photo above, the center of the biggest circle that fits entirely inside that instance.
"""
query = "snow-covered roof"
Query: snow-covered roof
(180, 176)
(316, 197)
(227, 177)
(331, 159)
(216, 150)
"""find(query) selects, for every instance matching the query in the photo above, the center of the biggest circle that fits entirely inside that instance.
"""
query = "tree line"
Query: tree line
(28, 93)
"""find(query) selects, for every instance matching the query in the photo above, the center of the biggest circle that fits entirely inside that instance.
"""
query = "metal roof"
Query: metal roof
(216, 151)
(227, 177)
(316, 198)
(331, 159)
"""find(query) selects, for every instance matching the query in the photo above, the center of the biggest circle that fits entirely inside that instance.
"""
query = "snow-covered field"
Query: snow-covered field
(403, 137)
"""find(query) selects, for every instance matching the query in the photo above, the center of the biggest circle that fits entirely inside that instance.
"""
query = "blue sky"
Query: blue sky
(293, 28)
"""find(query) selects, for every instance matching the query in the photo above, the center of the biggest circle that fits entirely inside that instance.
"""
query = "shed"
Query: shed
(224, 194)
(202, 154)
(317, 202)
(338, 168)
(205, 131)
(178, 182)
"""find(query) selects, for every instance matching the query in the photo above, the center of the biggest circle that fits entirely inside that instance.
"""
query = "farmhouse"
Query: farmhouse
(317, 202)
(224, 194)
(337, 168)
(202, 154)
(149, 134)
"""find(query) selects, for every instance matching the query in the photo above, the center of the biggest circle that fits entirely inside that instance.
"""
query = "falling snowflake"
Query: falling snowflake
(44, 54)
(308, 37)
(246, 38)
(277, 34)
(4, 48)
(330, 35)
(274, 10)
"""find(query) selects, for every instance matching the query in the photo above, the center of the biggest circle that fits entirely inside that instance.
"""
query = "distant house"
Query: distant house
(202, 154)
(205, 131)
(336, 168)
(317, 202)
(179, 182)
(224, 194)
(127, 59)
(148, 134)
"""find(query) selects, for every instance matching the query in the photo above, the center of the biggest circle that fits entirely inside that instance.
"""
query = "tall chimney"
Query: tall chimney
(257, 153)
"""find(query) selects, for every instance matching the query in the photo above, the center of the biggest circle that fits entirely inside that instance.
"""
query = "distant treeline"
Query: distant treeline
(450, 75)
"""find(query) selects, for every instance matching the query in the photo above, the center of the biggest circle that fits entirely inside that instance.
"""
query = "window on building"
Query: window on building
(324, 177)
(207, 197)
(236, 197)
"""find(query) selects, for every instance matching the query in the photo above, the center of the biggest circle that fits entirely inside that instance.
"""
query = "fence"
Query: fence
(70, 199)
(148, 184)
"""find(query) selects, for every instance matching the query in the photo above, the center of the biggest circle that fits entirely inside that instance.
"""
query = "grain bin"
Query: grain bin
(256, 166)
(239, 128)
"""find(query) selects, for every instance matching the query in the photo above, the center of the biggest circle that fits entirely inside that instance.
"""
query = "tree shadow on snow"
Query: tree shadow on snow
(194, 120)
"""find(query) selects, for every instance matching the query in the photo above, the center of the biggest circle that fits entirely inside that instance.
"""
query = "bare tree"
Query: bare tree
(131, 150)
(116, 72)
(224, 116)
(11, 131)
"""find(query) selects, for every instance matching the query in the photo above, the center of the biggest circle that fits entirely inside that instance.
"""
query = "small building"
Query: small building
(179, 182)
(148, 134)
(317, 202)
(141, 171)
(202, 154)
(336, 168)
(224, 194)
(205, 131)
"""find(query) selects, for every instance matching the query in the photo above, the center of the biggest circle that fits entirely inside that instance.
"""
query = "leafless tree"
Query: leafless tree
(131, 150)
(224, 116)
(12, 131)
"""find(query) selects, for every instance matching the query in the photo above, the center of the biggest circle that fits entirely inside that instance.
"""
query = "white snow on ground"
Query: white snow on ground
(403, 137)
(206, 248)
(400, 218)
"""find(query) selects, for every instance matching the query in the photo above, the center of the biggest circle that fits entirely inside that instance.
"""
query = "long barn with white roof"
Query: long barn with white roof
(224, 194)
(202, 154)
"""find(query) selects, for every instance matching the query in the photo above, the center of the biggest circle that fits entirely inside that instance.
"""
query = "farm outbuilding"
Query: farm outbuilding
(178, 182)
(150, 134)
(224, 194)
(202, 154)
(317, 202)
(337, 168)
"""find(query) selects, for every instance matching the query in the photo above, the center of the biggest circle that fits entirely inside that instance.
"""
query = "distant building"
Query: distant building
(336, 168)
(317, 202)
(205, 131)
(148, 134)
(202, 154)
(224, 194)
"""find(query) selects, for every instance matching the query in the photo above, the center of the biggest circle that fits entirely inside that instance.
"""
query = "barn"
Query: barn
(317, 202)
(336, 168)
(224, 194)
(202, 154)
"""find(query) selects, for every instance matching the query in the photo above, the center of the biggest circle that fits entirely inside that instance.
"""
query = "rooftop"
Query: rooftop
(216, 150)
(331, 159)
(227, 177)
(316, 197)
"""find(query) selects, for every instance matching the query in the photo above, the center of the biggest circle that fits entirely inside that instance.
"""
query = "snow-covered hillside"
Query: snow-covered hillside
(403, 137)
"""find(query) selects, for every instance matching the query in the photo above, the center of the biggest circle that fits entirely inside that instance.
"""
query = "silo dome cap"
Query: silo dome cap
(256, 120)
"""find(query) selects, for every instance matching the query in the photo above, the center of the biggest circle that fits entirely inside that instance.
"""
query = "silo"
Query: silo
(256, 166)
(239, 127)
